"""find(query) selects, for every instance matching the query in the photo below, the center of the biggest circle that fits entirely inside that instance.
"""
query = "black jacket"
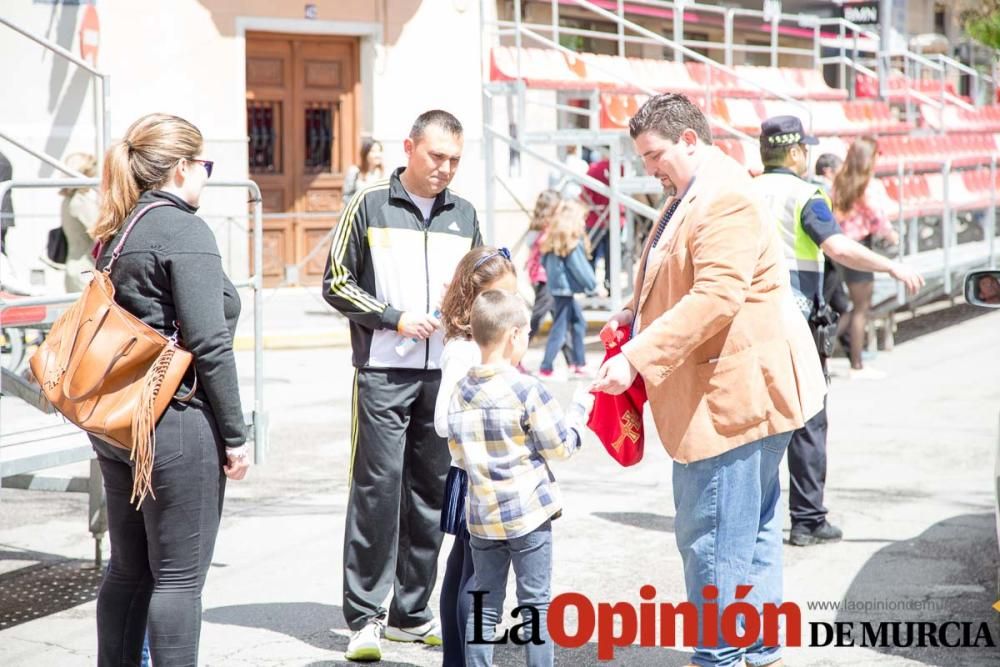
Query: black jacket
(384, 260)
(170, 270)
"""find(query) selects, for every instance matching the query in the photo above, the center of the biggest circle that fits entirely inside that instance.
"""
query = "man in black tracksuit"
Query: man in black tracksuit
(396, 246)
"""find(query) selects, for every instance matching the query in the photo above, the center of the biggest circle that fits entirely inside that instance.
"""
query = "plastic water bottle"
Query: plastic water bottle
(404, 346)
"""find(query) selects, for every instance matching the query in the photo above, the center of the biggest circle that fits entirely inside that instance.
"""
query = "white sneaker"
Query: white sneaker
(366, 643)
(429, 633)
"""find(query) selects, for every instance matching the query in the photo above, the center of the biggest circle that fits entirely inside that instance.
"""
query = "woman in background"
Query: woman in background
(78, 215)
(368, 170)
(860, 204)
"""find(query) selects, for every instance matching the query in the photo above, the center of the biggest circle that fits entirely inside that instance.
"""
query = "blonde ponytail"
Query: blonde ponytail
(119, 193)
(142, 161)
(545, 207)
(567, 230)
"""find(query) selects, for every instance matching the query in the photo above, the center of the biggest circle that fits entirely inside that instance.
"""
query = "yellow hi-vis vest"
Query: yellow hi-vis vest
(786, 196)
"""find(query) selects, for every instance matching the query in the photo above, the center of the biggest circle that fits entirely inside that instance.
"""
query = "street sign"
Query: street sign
(90, 34)
(862, 13)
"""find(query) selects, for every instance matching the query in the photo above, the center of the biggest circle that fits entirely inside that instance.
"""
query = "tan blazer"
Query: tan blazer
(726, 356)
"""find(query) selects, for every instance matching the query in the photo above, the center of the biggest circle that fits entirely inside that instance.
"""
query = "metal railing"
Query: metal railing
(713, 68)
(102, 104)
(907, 223)
(847, 31)
(978, 78)
(616, 198)
(255, 282)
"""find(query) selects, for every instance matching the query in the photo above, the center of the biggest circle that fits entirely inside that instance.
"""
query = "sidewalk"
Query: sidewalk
(294, 317)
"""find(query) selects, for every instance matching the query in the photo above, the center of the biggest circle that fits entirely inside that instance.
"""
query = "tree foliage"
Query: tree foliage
(983, 23)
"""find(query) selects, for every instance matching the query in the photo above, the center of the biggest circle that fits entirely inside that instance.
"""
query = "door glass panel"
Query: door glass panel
(319, 136)
(263, 128)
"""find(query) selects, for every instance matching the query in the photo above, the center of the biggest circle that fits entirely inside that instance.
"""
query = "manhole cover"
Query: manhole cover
(47, 588)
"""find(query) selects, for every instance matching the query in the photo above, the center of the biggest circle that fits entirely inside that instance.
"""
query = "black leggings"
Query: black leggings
(160, 553)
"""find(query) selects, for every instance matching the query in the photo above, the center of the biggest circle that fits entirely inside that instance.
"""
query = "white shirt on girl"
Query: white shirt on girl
(457, 358)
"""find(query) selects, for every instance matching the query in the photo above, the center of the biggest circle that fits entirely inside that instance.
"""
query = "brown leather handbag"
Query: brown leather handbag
(110, 373)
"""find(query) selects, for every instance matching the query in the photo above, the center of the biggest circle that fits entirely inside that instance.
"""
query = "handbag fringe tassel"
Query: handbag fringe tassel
(144, 428)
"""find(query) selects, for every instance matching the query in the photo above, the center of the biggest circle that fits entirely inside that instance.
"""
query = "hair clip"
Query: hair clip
(500, 252)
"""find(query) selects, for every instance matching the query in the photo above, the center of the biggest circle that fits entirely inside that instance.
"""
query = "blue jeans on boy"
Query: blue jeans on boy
(728, 531)
(531, 556)
(567, 315)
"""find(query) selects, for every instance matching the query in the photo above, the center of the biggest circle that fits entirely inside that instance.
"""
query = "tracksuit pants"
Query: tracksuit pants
(392, 531)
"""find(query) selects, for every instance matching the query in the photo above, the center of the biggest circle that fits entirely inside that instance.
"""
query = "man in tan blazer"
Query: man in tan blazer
(728, 363)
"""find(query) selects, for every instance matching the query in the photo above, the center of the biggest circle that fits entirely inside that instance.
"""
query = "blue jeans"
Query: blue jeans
(567, 315)
(531, 556)
(728, 531)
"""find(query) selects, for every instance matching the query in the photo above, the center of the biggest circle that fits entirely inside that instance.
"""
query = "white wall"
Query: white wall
(170, 59)
(48, 105)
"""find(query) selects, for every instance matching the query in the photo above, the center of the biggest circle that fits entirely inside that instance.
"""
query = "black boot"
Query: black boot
(802, 536)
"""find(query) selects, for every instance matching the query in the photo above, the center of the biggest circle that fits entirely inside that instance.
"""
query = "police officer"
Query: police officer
(809, 233)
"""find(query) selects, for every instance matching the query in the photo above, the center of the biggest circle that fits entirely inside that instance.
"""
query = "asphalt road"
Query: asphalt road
(911, 482)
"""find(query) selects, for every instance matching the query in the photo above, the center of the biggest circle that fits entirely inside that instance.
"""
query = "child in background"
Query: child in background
(565, 254)
(545, 208)
(481, 269)
(503, 427)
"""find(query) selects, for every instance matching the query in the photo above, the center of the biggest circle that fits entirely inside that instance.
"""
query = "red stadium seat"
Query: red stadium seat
(618, 108)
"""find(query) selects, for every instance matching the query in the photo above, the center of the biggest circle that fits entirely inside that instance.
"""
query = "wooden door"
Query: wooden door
(302, 113)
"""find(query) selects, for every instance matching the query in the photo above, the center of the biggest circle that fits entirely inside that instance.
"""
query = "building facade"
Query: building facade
(282, 91)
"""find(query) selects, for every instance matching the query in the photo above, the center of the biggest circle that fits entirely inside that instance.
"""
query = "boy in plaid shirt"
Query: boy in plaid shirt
(503, 426)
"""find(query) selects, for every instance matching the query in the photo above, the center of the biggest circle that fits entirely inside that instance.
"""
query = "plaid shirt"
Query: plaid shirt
(502, 427)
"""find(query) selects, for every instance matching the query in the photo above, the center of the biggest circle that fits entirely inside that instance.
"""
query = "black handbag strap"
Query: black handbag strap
(128, 230)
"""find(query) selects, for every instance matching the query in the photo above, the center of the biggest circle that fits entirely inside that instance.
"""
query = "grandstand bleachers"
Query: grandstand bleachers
(867, 86)
(743, 96)
(983, 119)
(550, 68)
(744, 106)
(744, 114)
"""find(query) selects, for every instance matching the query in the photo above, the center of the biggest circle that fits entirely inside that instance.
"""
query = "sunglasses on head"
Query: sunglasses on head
(500, 252)
(208, 164)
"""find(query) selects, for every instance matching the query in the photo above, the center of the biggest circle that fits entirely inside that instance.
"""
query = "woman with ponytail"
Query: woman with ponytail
(169, 274)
